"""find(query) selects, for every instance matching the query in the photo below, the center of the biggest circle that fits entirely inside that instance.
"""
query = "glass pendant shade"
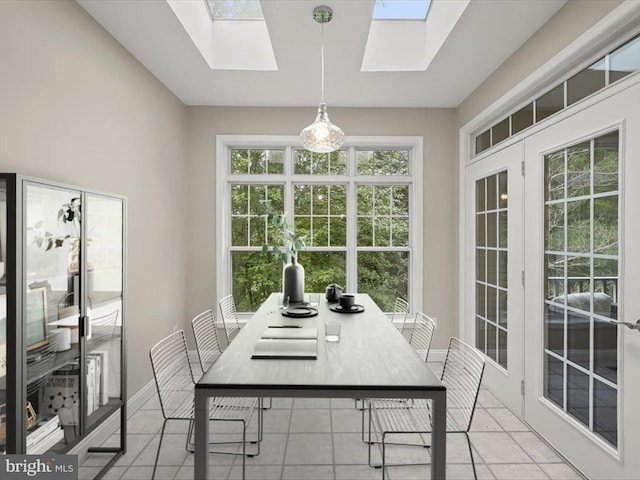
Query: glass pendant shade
(322, 136)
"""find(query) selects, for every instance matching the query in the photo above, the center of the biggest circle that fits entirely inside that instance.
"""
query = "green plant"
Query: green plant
(283, 241)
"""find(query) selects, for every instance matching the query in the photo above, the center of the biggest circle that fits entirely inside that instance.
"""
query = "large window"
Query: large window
(359, 207)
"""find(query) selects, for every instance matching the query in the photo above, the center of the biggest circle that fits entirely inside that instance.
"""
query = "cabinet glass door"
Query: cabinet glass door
(104, 286)
(51, 312)
(3, 317)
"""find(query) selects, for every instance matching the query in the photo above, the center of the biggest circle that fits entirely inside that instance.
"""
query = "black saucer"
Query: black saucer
(298, 311)
(337, 308)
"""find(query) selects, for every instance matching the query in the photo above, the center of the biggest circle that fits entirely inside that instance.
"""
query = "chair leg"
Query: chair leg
(244, 447)
(383, 455)
(155, 464)
(473, 463)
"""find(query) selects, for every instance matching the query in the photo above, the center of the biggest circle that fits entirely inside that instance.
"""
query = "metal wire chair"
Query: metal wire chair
(399, 314)
(175, 383)
(206, 336)
(208, 345)
(423, 330)
(229, 317)
(462, 376)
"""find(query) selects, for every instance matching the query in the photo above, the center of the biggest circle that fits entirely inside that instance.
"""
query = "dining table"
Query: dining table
(372, 359)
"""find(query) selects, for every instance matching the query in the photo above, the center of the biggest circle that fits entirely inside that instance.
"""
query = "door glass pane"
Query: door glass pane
(105, 252)
(582, 280)
(51, 310)
(578, 394)
(554, 380)
(491, 266)
(605, 412)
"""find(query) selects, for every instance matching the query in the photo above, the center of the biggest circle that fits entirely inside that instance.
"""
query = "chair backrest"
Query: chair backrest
(207, 343)
(422, 334)
(229, 317)
(462, 375)
(399, 314)
(172, 372)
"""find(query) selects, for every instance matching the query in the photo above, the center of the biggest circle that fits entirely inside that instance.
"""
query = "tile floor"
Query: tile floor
(319, 439)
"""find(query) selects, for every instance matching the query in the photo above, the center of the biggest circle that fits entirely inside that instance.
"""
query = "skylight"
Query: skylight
(401, 9)
(236, 9)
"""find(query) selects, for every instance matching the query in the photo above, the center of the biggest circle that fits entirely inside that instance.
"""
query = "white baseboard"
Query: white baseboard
(437, 355)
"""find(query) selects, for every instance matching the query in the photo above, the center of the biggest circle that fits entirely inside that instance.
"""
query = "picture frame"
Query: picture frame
(36, 318)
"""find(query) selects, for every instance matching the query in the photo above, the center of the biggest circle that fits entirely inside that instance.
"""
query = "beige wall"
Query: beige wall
(76, 107)
(571, 21)
(440, 205)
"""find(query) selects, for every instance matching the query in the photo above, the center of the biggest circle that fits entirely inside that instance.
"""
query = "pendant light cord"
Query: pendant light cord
(322, 61)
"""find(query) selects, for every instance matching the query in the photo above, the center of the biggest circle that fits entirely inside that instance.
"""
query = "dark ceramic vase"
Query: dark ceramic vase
(293, 281)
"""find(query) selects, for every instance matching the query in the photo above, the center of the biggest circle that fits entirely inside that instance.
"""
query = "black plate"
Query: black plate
(300, 312)
(355, 309)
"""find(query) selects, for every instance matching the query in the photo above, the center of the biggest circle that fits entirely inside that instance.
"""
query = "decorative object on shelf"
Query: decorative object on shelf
(322, 136)
(285, 244)
(31, 416)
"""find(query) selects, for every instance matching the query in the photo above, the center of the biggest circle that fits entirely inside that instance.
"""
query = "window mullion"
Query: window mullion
(352, 237)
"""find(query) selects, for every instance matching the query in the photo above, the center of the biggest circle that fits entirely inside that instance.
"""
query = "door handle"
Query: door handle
(632, 326)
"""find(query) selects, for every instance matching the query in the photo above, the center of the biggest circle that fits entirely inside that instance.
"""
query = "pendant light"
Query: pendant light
(322, 136)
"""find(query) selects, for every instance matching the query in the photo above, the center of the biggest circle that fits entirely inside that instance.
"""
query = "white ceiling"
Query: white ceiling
(488, 32)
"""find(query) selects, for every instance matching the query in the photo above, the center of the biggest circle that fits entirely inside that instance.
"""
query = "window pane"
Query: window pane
(311, 215)
(382, 162)
(550, 103)
(500, 131)
(384, 276)
(247, 227)
(383, 215)
(624, 60)
(252, 161)
(586, 82)
(483, 141)
(322, 269)
(254, 277)
(310, 163)
(522, 119)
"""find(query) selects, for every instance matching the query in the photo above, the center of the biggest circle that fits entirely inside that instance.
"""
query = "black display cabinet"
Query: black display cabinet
(62, 315)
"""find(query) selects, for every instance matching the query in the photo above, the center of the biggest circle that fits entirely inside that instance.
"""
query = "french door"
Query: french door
(493, 267)
(582, 272)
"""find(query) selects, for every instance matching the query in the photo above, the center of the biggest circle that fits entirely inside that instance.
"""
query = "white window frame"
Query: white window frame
(224, 179)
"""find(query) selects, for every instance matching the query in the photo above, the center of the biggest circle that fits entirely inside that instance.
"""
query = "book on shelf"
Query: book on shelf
(61, 395)
(44, 436)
